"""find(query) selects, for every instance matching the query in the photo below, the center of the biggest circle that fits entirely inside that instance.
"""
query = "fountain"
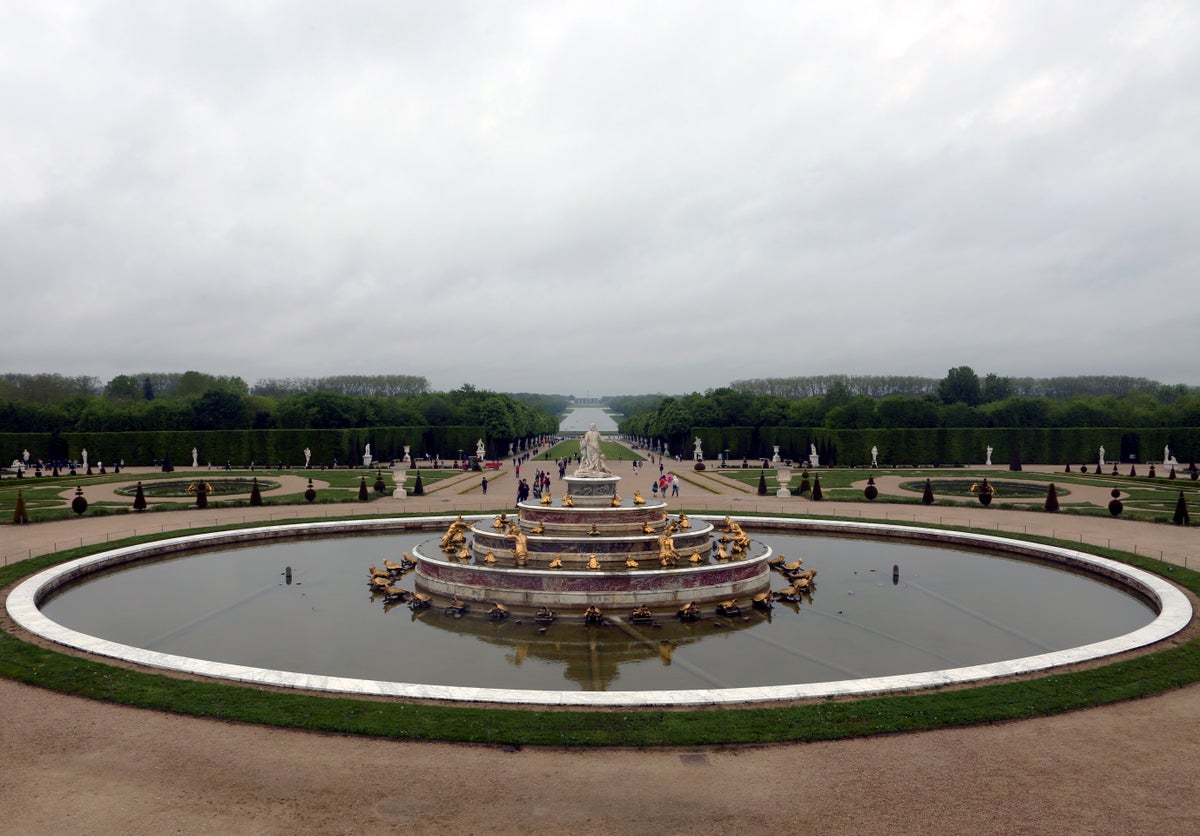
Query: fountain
(592, 549)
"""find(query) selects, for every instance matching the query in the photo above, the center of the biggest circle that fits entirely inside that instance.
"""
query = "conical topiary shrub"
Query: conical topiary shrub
(363, 496)
(79, 503)
(1052, 499)
(762, 483)
(20, 514)
(818, 494)
(418, 488)
(310, 494)
(380, 487)
(927, 494)
(139, 499)
(1152, 474)
(1132, 471)
(1181, 511)
(255, 493)
(1069, 469)
(870, 491)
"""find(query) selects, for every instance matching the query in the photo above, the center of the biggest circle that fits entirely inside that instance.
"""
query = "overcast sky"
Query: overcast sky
(600, 198)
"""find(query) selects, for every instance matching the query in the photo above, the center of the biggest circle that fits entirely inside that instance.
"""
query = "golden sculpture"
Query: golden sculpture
(689, 612)
(546, 498)
(696, 557)
(540, 528)
(616, 500)
(556, 563)
(667, 555)
(721, 553)
(568, 502)
(520, 547)
(630, 563)
(464, 553)
(647, 528)
(407, 560)
(641, 614)
(392, 566)
(454, 534)
(684, 523)
(592, 615)
(638, 499)
(593, 531)
(489, 558)
(593, 563)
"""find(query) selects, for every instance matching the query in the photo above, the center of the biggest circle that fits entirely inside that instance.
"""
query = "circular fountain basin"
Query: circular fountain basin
(625, 644)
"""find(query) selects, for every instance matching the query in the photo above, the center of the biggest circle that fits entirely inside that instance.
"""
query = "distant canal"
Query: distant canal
(580, 417)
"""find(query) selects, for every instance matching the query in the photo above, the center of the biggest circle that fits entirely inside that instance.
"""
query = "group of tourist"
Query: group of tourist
(665, 482)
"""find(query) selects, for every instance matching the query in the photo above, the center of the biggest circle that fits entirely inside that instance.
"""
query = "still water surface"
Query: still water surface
(949, 608)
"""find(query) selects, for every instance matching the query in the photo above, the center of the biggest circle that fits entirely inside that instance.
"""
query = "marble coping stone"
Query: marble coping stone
(1174, 613)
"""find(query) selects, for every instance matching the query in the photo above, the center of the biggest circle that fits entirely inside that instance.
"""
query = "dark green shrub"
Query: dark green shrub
(255, 493)
(1051, 499)
(927, 494)
(20, 514)
(1181, 511)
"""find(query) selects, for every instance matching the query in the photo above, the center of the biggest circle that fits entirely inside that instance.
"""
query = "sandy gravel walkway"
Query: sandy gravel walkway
(74, 766)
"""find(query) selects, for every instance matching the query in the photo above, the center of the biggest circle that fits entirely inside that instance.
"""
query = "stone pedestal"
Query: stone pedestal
(398, 479)
(592, 491)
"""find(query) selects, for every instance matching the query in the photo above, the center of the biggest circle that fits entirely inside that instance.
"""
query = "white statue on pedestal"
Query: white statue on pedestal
(1168, 460)
(1102, 456)
(82, 453)
(874, 456)
(480, 451)
(510, 449)
(195, 458)
(367, 457)
(307, 456)
(591, 463)
(697, 453)
(813, 459)
(989, 454)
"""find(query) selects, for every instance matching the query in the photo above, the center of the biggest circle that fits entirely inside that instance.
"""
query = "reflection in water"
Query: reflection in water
(881, 609)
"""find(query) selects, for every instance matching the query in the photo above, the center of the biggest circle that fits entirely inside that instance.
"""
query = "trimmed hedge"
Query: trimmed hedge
(240, 447)
(952, 445)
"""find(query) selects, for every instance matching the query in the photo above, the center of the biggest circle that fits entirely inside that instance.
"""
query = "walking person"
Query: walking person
(483, 485)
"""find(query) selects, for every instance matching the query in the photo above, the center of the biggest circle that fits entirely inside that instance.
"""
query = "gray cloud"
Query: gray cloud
(606, 198)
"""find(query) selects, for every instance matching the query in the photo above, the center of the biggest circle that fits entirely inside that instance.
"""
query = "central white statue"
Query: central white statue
(591, 463)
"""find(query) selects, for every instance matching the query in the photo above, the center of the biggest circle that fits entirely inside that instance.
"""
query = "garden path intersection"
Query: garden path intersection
(80, 766)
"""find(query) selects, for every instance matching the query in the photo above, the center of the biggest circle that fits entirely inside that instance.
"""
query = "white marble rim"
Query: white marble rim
(1174, 613)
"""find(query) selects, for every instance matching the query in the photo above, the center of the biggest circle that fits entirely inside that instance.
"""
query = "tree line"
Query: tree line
(197, 401)
(961, 399)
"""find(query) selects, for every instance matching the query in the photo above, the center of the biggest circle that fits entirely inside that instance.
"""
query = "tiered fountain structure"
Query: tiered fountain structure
(592, 548)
